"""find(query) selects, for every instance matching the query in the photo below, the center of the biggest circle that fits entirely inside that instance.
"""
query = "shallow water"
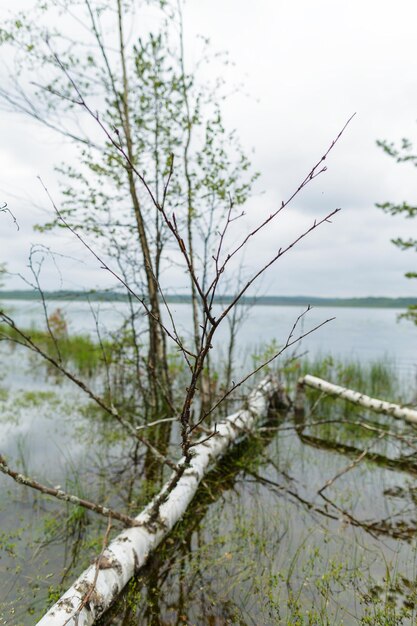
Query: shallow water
(365, 334)
(260, 544)
(266, 549)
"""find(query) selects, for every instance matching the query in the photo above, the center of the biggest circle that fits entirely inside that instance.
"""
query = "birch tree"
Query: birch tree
(159, 180)
(146, 97)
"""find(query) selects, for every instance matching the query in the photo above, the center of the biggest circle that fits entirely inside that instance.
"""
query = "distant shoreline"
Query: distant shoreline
(103, 296)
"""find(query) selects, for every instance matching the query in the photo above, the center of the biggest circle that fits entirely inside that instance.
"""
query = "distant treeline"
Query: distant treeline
(111, 296)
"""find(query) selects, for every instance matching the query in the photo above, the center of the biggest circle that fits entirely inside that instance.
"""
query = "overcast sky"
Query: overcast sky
(306, 68)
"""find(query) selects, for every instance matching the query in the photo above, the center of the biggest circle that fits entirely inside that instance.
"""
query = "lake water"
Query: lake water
(260, 546)
(365, 334)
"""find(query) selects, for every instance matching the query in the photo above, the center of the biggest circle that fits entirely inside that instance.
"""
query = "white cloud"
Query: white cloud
(306, 67)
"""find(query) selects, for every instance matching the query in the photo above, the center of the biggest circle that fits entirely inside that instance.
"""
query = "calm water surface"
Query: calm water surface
(365, 334)
(261, 546)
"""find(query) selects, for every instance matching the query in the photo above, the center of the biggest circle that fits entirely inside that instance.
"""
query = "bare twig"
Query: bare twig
(5, 209)
(162, 421)
(111, 410)
(63, 495)
(289, 342)
(106, 267)
(35, 274)
(314, 172)
(349, 467)
(275, 258)
(99, 562)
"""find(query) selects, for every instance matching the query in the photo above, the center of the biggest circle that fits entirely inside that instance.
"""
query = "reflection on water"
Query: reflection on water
(261, 547)
(262, 544)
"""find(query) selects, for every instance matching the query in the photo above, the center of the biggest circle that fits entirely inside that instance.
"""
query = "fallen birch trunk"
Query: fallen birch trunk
(379, 406)
(129, 551)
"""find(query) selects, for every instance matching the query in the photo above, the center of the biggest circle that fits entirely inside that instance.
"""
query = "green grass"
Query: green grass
(378, 378)
(80, 351)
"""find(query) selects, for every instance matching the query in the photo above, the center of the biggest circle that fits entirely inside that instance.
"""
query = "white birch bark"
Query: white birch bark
(379, 406)
(130, 550)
